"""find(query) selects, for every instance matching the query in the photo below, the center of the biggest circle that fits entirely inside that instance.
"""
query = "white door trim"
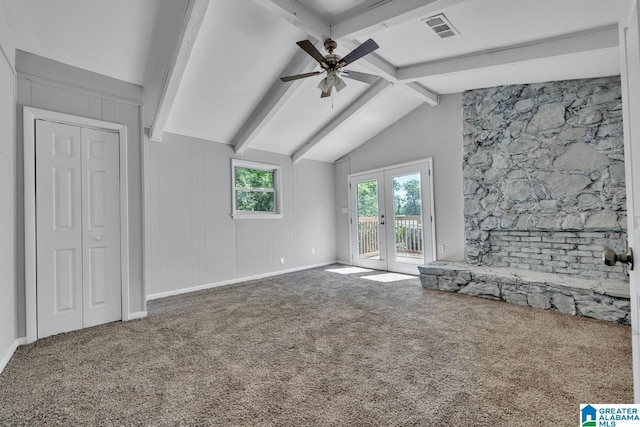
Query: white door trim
(30, 116)
(431, 208)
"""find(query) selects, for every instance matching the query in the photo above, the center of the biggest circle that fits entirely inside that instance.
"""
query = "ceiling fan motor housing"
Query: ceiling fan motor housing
(332, 60)
(330, 45)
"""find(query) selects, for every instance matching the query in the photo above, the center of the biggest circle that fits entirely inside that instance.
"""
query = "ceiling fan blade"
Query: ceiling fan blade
(327, 93)
(361, 77)
(308, 47)
(300, 76)
(357, 53)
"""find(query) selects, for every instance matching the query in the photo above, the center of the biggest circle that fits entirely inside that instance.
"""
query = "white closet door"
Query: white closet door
(101, 227)
(59, 228)
(78, 227)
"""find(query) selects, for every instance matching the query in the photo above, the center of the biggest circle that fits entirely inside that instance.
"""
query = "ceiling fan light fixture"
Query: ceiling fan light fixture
(324, 85)
(332, 65)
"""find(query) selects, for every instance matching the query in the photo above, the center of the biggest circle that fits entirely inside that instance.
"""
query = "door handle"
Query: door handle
(98, 238)
(610, 257)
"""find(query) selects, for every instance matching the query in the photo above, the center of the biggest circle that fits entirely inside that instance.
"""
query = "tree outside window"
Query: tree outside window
(256, 190)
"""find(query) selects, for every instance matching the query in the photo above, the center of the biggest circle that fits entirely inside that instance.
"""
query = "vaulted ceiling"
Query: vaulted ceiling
(210, 68)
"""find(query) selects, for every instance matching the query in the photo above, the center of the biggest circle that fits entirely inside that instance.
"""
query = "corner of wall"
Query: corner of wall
(6, 40)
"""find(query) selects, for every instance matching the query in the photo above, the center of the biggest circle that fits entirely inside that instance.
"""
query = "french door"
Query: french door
(77, 227)
(391, 220)
(629, 25)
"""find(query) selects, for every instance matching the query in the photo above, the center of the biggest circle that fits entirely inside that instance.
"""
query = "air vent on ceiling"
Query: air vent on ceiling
(441, 25)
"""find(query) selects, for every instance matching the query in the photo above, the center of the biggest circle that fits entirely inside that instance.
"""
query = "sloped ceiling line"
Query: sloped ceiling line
(387, 15)
(192, 22)
(582, 41)
(276, 97)
(372, 92)
(392, 13)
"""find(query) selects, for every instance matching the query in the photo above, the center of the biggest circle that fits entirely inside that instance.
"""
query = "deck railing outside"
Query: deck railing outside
(368, 242)
(408, 230)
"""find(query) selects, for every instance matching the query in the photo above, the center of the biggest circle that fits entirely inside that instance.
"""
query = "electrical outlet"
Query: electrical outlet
(313, 251)
(282, 261)
(440, 249)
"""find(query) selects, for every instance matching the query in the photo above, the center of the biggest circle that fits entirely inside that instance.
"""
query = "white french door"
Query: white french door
(391, 220)
(77, 227)
(629, 27)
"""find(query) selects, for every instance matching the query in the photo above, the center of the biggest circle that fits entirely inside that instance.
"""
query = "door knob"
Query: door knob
(610, 257)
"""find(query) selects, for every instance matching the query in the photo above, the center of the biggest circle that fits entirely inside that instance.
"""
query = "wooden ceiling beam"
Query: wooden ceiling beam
(191, 24)
(343, 117)
(299, 16)
(583, 41)
(387, 15)
(271, 103)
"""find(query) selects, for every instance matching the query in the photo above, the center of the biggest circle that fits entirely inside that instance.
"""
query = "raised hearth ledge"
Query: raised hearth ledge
(603, 299)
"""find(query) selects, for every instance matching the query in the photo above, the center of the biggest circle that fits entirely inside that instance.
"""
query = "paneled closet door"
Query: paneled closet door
(102, 286)
(78, 227)
(58, 228)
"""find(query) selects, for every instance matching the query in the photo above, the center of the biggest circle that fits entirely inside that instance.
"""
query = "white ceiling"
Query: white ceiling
(230, 91)
(491, 24)
(130, 40)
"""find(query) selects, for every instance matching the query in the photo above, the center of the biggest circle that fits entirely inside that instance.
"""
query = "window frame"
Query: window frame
(277, 190)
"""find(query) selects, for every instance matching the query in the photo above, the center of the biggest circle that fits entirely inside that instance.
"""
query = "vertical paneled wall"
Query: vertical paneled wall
(50, 85)
(8, 252)
(194, 240)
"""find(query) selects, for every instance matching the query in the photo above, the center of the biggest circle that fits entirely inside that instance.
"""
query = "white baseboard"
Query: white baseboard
(7, 357)
(137, 315)
(232, 281)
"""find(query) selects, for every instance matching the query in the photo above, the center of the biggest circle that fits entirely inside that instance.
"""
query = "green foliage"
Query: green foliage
(254, 178)
(255, 190)
(411, 202)
(255, 201)
(368, 199)
(406, 198)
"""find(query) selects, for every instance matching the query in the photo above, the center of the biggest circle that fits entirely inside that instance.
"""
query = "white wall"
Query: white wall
(50, 85)
(194, 240)
(8, 282)
(434, 132)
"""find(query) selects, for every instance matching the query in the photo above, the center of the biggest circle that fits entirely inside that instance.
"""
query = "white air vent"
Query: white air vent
(441, 25)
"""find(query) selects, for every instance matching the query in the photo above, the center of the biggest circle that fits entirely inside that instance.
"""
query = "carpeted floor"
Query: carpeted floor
(320, 348)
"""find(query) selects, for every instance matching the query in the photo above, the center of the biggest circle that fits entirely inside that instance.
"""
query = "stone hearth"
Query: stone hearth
(602, 299)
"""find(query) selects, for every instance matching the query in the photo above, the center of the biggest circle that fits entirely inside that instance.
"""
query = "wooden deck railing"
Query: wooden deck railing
(409, 234)
(408, 230)
(368, 241)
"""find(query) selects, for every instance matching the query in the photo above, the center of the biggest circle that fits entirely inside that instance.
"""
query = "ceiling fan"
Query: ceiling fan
(333, 65)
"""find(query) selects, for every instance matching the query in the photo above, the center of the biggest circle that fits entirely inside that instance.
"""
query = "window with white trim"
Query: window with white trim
(256, 190)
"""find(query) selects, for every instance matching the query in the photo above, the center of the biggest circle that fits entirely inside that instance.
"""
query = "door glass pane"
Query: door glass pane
(368, 226)
(407, 210)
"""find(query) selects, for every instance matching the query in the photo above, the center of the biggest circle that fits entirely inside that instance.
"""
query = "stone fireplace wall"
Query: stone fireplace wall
(544, 177)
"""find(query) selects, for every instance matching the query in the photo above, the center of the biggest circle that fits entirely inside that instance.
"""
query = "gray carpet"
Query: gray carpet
(319, 348)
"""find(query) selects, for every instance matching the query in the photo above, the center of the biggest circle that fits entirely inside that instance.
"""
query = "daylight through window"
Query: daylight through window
(256, 191)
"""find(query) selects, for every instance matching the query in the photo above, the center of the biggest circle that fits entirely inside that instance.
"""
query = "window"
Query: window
(256, 190)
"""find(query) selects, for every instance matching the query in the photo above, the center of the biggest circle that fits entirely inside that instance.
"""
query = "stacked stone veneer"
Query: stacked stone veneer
(544, 176)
